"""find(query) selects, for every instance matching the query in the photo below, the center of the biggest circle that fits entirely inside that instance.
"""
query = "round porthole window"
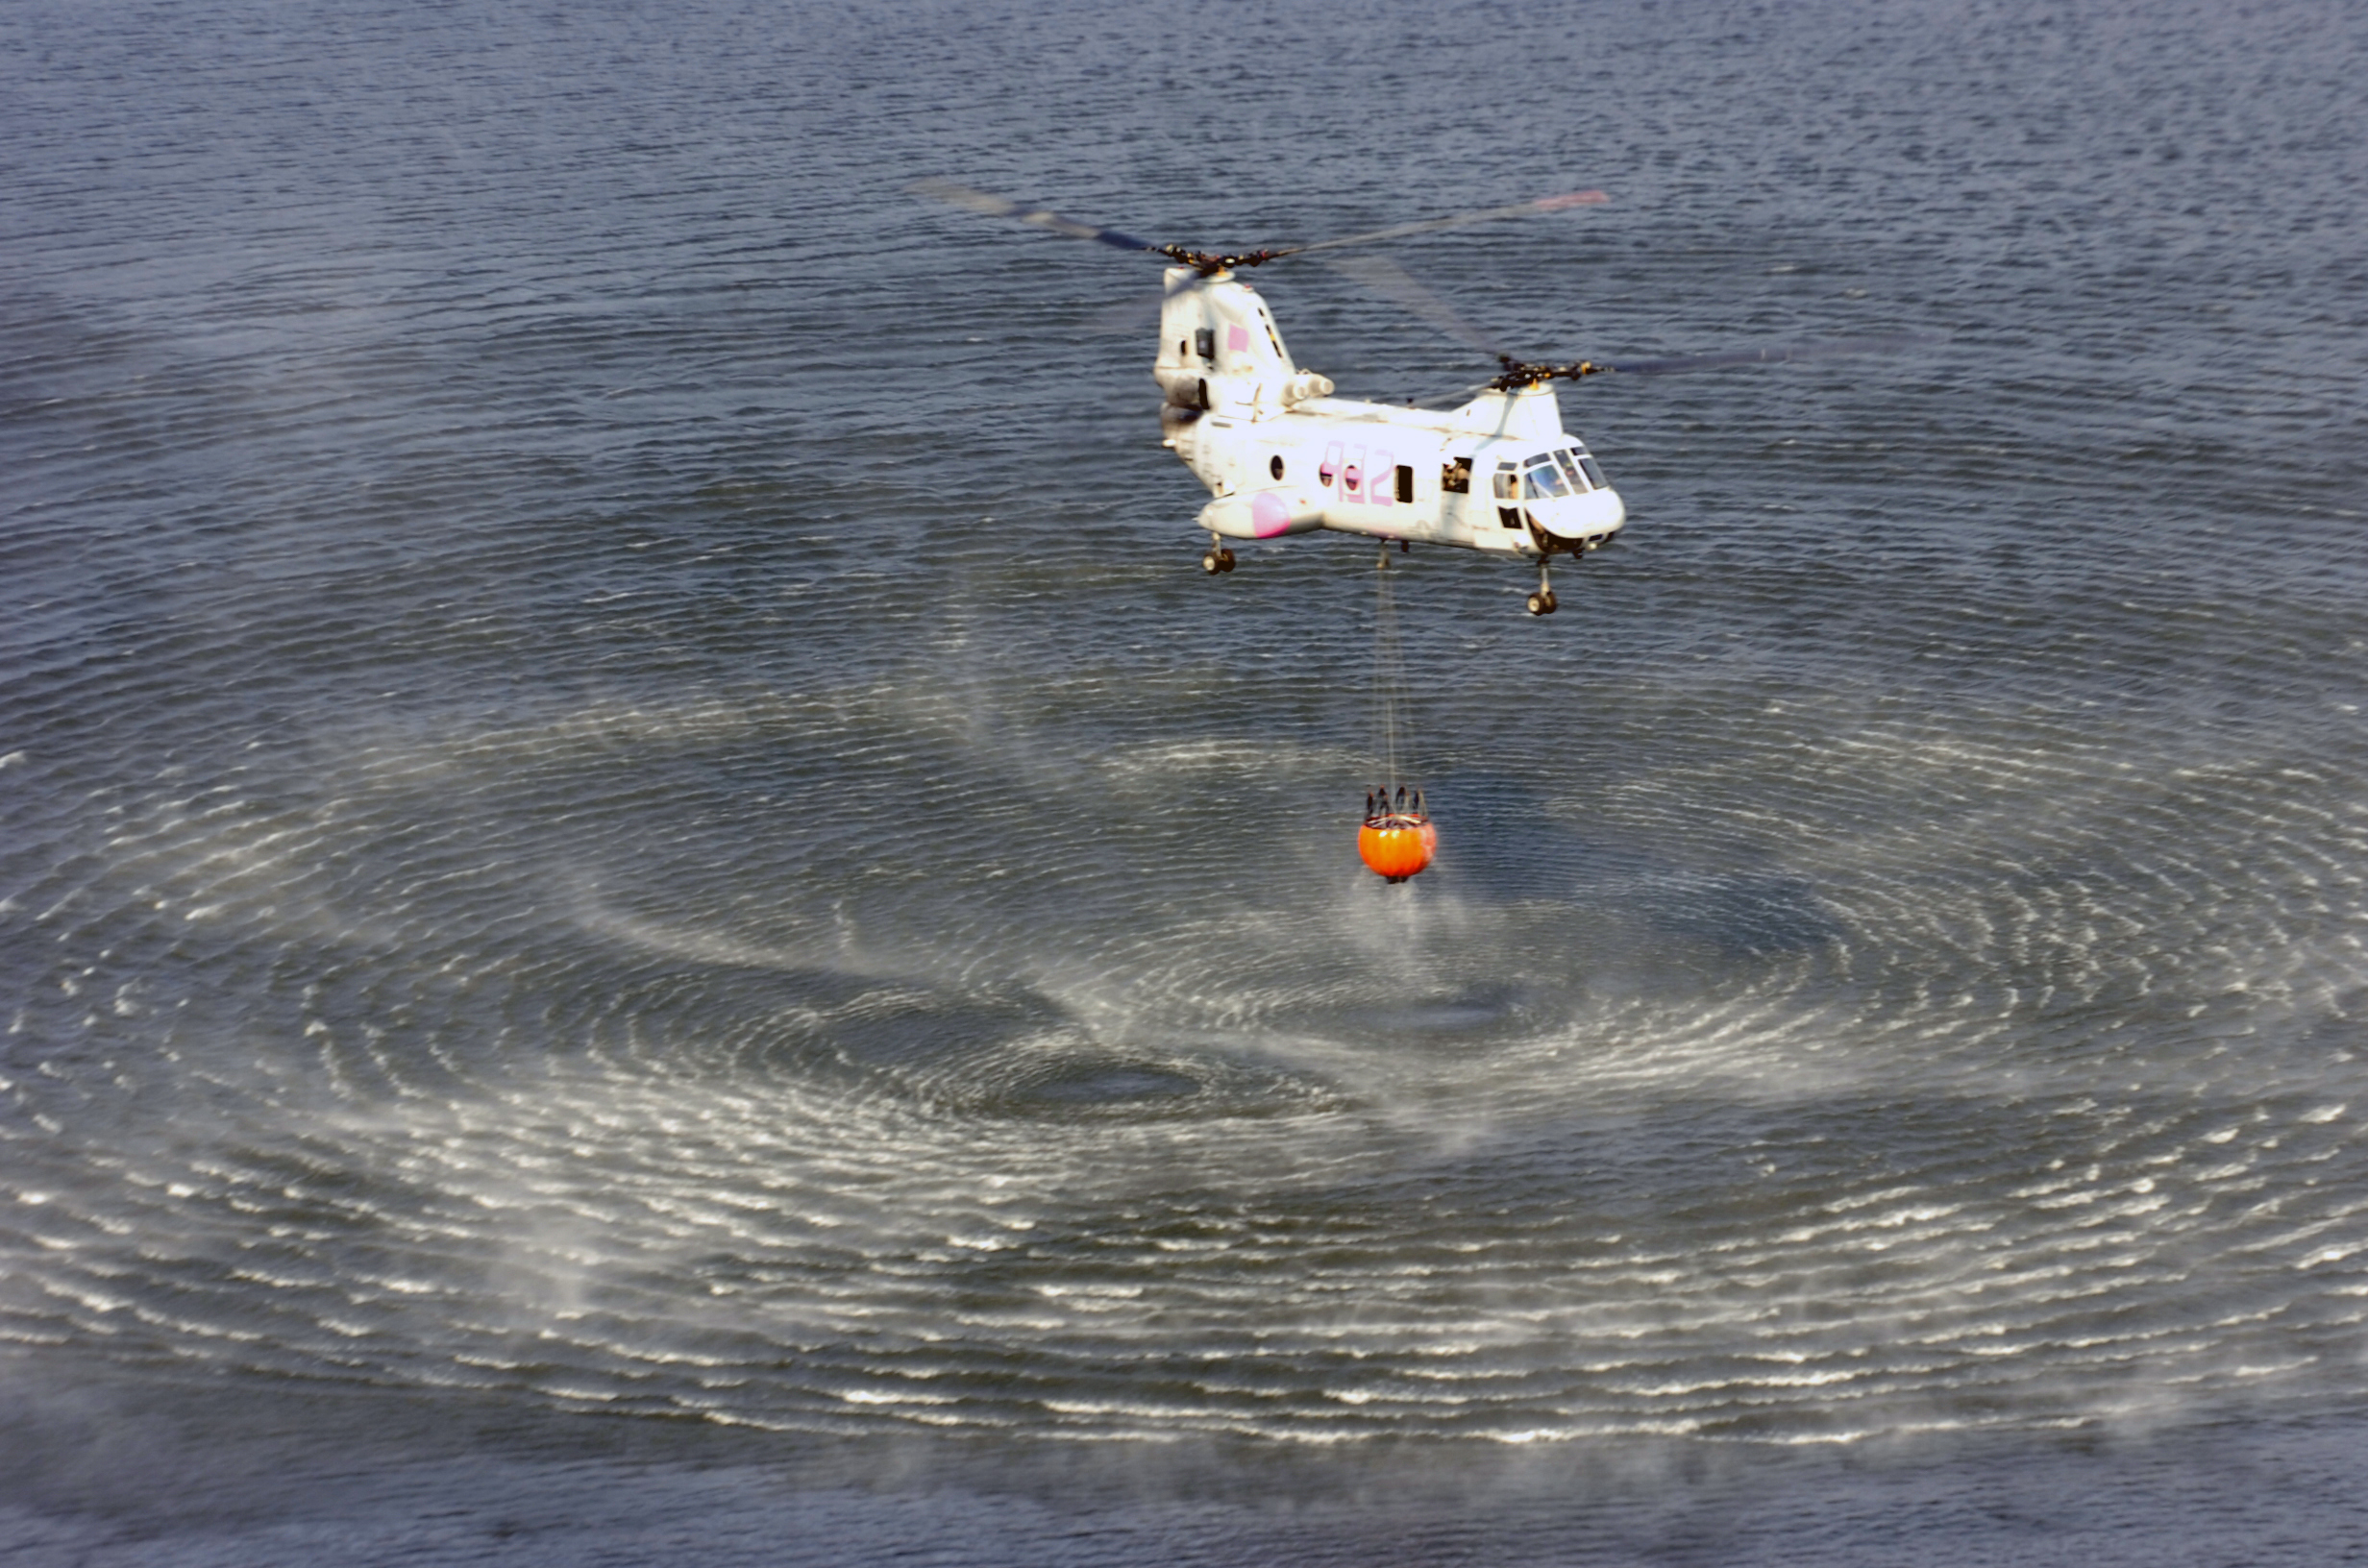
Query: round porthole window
(1275, 467)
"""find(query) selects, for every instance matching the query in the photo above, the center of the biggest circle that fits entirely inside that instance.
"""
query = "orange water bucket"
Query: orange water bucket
(1397, 844)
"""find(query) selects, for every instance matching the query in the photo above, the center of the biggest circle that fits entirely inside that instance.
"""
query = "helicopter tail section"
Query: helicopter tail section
(1218, 349)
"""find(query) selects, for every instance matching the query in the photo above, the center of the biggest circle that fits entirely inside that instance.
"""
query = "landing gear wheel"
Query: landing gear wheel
(1224, 560)
(1216, 561)
(1542, 604)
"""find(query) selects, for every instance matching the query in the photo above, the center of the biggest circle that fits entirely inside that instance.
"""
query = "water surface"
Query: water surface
(647, 905)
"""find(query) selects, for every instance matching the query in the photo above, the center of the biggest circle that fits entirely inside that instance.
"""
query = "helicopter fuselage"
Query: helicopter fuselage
(1281, 455)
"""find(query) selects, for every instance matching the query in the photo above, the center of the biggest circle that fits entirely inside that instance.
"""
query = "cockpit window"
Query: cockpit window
(1587, 466)
(1541, 479)
(1570, 471)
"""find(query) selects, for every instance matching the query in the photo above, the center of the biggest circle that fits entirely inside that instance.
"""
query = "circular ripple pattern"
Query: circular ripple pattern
(2009, 1084)
(605, 804)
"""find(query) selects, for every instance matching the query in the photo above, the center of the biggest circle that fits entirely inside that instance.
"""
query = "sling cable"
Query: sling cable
(1397, 840)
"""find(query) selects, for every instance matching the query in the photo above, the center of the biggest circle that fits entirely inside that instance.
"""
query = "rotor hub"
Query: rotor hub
(1518, 374)
(1208, 264)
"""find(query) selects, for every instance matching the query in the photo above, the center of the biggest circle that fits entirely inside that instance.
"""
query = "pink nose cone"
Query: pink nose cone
(1269, 516)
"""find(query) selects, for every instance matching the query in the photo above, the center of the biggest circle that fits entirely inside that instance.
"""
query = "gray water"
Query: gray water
(648, 911)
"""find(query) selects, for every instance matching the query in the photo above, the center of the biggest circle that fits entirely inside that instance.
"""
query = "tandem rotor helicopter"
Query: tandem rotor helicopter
(1280, 454)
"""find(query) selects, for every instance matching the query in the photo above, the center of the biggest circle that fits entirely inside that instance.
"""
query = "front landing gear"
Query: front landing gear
(1216, 561)
(1542, 603)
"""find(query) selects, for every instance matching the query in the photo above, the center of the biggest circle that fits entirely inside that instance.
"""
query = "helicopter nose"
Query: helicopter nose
(1588, 521)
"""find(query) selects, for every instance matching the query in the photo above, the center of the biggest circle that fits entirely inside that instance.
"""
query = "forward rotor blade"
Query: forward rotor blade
(1518, 374)
(1391, 282)
(1781, 354)
(1452, 399)
(1003, 207)
(1429, 225)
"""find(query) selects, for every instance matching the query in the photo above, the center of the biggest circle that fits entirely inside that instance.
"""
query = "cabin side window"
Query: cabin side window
(1405, 484)
(1455, 478)
(1507, 484)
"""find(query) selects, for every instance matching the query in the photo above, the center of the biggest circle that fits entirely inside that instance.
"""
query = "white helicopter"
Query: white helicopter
(1282, 455)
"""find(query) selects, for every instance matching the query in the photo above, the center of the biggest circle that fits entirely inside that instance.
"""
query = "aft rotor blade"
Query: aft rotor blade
(1135, 314)
(1430, 226)
(1003, 207)
(1391, 282)
(1378, 273)
(1131, 316)
(1208, 264)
